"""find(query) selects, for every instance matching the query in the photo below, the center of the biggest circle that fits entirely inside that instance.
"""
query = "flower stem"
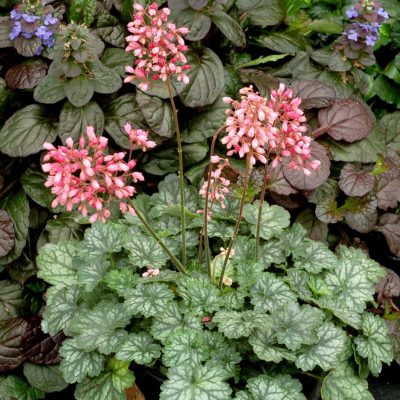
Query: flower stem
(236, 231)
(181, 178)
(260, 208)
(152, 232)
(204, 231)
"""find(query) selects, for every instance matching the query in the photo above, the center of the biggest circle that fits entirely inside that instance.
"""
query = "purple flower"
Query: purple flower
(14, 14)
(382, 13)
(371, 40)
(39, 50)
(49, 19)
(352, 35)
(49, 42)
(27, 35)
(352, 13)
(43, 32)
(16, 30)
(29, 18)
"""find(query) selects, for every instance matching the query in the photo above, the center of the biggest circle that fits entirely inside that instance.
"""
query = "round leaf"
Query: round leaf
(313, 94)
(347, 120)
(197, 23)
(79, 90)
(355, 182)
(206, 77)
(25, 132)
(300, 181)
(7, 233)
(26, 75)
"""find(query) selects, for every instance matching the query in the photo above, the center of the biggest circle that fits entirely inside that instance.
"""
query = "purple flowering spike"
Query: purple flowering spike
(382, 13)
(15, 15)
(30, 18)
(50, 20)
(16, 30)
(352, 35)
(370, 40)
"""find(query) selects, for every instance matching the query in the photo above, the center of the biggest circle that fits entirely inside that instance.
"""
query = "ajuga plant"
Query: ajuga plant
(218, 294)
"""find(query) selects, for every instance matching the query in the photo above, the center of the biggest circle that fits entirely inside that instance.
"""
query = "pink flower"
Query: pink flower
(151, 272)
(249, 125)
(289, 139)
(157, 45)
(219, 186)
(139, 137)
(88, 177)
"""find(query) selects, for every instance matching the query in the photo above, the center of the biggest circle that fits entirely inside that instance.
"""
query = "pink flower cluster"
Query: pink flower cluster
(139, 137)
(274, 126)
(158, 46)
(89, 177)
(218, 184)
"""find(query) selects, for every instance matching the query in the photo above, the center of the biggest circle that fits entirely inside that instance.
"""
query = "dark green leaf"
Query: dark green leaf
(7, 233)
(33, 181)
(262, 12)
(229, 27)
(50, 90)
(79, 90)
(198, 23)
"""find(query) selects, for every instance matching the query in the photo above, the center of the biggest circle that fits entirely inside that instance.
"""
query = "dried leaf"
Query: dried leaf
(347, 120)
(355, 182)
(389, 225)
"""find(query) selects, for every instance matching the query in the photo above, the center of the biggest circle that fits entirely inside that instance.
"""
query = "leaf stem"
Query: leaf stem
(235, 232)
(204, 231)
(181, 177)
(260, 209)
(152, 232)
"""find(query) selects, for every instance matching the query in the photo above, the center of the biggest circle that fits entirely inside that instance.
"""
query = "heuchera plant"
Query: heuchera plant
(256, 308)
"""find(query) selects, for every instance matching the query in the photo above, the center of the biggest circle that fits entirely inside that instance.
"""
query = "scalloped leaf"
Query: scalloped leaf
(236, 324)
(11, 299)
(313, 93)
(389, 225)
(149, 299)
(273, 219)
(296, 325)
(375, 343)
(77, 364)
(140, 348)
(195, 382)
(99, 329)
(270, 293)
(347, 120)
(327, 352)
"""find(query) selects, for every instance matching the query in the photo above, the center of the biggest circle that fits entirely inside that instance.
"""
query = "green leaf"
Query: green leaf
(206, 77)
(229, 27)
(55, 262)
(294, 325)
(282, 42)
(140, 348)
(262, 60)
(198, 23)
(344, 385)
(273, 220)
(91, 272)
(74, 120)
(149, 299)
(171, 321)
(205, 122)
(195, 382)
(279, 387)
(235, 324)
(270, 293)
(262, 12)
(33, 183)
(327, 352)
(110, 30)
(17, 207)
(389, 129)
(121, 280)
(106, 80)
(117, 59)
(388, 90)
(375, 344)
(47, 378)
(187, 347)
(110, 385)
(199, 294)
(98, 329)
(13, 387)
(50, 90)
(61, 308)
(298, 281)
(157, 113)
(120, 111)
(264, 346)
(314, 257)
(77, 364)
(26, 130)
(82, 11)
(63, 228)
(11, 299)
(103, 239)
(79, 90)
(143, 250)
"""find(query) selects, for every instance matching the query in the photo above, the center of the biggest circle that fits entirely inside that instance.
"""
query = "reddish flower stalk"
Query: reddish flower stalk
(158, 46)
(88, 177)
